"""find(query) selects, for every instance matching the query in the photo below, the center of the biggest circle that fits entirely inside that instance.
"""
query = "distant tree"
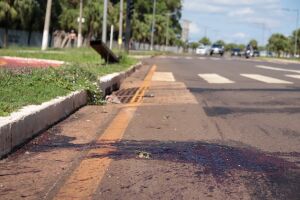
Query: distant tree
(230, 46)
(8, 14)
(221, 42)
(205, 41)
(27, 13)
(241, 46)
(278, 43)
(254, 43)
(292, 41)
(194, 45)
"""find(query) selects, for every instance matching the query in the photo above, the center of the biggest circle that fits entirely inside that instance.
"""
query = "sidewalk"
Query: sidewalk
(37, 169)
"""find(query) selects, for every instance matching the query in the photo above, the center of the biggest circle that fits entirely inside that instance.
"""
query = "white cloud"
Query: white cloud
(240, 35)
(241, 12)
(262, 21)
(194, 28)
(203, 7)
(221, 6)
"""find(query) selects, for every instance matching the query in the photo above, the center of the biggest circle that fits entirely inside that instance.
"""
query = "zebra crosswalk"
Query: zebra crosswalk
(213, 78)
(266, 79)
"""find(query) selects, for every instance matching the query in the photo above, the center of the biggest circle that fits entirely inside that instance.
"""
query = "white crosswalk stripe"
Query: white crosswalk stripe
(201, 58)
(266, 79)
(188, 58)
(215, 79)
(215, 58)
(163, 76)
(293, 76)
(277, 69)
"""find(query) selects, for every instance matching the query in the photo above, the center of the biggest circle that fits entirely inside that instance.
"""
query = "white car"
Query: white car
(202, 50)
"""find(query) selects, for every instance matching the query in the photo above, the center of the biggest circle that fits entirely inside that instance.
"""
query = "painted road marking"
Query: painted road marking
(277, 69)
(293, 76)
(84, 181)
(201, 58)
(266, 79)
(163, 76)
(215, 79)
(188, 58)
(215, 58)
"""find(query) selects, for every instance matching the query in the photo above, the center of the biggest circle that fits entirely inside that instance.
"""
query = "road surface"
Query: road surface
(187, 128)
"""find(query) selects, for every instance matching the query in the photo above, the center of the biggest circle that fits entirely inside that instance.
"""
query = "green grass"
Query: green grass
(283, 59)
(35, 86)
(70, 55)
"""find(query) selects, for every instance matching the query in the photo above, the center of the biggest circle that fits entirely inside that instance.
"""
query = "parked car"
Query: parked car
(202, 50)
(216, 49)
(256, 53)
(236, 52)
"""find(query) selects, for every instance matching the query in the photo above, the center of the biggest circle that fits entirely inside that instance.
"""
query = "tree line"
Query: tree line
(277, 42)
(29, 15)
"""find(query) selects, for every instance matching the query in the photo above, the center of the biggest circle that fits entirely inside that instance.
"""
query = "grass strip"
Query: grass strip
(19, 88)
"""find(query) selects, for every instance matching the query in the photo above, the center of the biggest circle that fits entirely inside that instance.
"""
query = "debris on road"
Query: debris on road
(149, 95)
(144, 154)
(112, 99)
(166, 117)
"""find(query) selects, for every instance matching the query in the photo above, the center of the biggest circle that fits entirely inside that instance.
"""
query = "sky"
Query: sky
(239, 21)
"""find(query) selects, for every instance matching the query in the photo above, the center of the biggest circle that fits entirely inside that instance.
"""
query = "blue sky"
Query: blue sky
(239, 20)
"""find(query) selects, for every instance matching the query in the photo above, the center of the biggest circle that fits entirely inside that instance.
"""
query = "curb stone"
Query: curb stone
(31, 120)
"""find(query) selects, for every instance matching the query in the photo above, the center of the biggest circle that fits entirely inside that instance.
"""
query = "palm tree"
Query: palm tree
(7, 14)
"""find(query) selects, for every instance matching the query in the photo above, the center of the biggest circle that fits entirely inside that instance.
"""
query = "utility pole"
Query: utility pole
(120, 39)
(153, 25)
(129, 14)
(167, 31)
(79, 40)
(296, 38)
(104, 23)
(296, 31)
(46, 26)
(111, 36)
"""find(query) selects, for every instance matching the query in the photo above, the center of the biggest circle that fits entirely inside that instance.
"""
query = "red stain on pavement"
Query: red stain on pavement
(16, 62)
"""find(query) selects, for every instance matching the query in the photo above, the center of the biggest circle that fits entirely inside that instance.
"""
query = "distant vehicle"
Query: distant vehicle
(216, 49)
(202, 50)
(248, 53)
(256, 53)
(236, 52)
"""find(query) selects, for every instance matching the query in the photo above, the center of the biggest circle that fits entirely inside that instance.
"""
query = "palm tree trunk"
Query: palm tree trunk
(29, 36)
(5, 38)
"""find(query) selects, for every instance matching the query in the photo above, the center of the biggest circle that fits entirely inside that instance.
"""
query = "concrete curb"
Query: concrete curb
(24, 124)
(112, 82)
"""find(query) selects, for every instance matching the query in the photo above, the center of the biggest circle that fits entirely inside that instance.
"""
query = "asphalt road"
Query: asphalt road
(207, 128)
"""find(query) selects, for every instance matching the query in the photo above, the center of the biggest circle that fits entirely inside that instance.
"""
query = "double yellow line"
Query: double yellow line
(84, 181)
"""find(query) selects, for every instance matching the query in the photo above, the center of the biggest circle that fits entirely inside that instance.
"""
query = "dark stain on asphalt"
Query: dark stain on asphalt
(210, 90)
(219, 160)
(219, 110)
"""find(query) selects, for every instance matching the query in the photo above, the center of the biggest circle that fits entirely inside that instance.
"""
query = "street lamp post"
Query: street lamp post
(167, 28)
(104, 23)
(79, 42)
(120, 25)
(153, 25)
(46, 25)
(297, 21)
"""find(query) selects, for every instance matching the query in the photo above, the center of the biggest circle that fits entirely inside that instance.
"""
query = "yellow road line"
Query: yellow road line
(84, 181)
